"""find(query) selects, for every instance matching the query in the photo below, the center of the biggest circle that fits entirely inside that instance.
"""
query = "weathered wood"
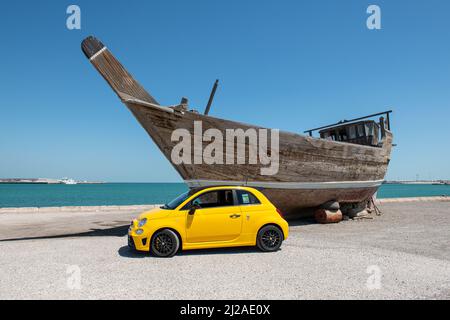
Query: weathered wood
(301, 159)
(327, 216)
(113, 72)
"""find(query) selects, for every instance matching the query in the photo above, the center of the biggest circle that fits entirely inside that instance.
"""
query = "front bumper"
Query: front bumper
(137, 242)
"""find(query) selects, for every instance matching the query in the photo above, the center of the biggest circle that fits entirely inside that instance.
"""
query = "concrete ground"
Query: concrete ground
(403, 254)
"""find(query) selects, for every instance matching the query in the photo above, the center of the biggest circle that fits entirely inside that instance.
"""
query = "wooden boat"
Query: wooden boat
(347, 163)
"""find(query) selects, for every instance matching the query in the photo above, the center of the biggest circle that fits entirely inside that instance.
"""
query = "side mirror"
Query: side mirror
(193, 208)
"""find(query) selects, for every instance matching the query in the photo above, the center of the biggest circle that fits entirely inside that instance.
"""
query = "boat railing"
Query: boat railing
(388, 122)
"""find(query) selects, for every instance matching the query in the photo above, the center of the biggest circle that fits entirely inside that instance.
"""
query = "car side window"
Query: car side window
(214, 199)
(246, 198)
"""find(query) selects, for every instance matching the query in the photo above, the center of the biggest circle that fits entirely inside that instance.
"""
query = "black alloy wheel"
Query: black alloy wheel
(269, 238)
(165, 243)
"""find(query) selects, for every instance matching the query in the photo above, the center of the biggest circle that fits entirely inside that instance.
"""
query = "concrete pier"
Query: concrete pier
(402, 254)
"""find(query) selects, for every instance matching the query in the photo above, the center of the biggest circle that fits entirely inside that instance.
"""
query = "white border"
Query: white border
(148, 104)
(288, 185)
(97, 53)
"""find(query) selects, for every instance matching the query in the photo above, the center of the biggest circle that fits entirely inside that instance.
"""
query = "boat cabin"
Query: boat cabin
(362, 132)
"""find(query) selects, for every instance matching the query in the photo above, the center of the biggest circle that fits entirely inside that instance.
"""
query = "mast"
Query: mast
(211, 97)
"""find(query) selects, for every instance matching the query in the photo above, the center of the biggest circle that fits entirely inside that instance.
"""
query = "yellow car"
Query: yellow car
(213, 217)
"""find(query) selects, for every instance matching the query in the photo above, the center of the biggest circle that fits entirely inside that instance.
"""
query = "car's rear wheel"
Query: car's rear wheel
(269, 238)
(165, 243)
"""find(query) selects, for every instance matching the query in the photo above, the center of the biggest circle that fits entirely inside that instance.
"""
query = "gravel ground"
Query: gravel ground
(403, 254)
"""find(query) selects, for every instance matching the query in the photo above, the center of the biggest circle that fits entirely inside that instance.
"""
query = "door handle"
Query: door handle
(235, 216)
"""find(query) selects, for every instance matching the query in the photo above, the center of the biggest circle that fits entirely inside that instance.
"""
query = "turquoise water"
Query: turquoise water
(58, 195)
(13, 195)
(412, 190)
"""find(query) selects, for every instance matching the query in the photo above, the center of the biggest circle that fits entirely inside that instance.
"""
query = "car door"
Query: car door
(251, 209)
(218, 218)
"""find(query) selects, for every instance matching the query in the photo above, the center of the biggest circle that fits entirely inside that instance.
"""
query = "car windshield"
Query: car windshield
(176, 202)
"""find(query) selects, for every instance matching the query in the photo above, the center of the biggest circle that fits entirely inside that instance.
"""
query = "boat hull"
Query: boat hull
(311, 171)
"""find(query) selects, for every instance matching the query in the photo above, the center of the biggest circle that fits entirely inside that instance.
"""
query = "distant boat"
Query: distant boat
(347, 163)
(68, 181)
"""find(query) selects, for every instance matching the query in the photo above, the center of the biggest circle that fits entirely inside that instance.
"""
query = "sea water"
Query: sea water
(57, 195)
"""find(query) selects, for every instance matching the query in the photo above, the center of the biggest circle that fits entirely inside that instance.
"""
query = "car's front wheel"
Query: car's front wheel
(269, 238)
(165, 243)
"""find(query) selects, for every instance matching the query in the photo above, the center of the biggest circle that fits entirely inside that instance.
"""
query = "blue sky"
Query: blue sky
(291, 65)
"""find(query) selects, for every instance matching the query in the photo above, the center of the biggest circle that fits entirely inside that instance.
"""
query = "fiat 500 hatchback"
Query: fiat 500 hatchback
(214, 217)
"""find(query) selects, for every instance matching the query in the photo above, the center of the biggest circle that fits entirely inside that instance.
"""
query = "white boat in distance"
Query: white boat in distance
(68, 181)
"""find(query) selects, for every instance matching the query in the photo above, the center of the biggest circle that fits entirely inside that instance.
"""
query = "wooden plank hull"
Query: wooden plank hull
(311, 171)
(292, 202)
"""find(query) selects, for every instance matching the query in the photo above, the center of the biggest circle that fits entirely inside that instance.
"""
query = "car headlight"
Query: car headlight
(142, 223)
(139, 232)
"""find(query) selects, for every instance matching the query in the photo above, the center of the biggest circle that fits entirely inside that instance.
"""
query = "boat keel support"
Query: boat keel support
(328, 212)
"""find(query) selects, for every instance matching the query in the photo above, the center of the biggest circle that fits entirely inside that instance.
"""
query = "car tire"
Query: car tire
(269, 238)
(165, 243)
